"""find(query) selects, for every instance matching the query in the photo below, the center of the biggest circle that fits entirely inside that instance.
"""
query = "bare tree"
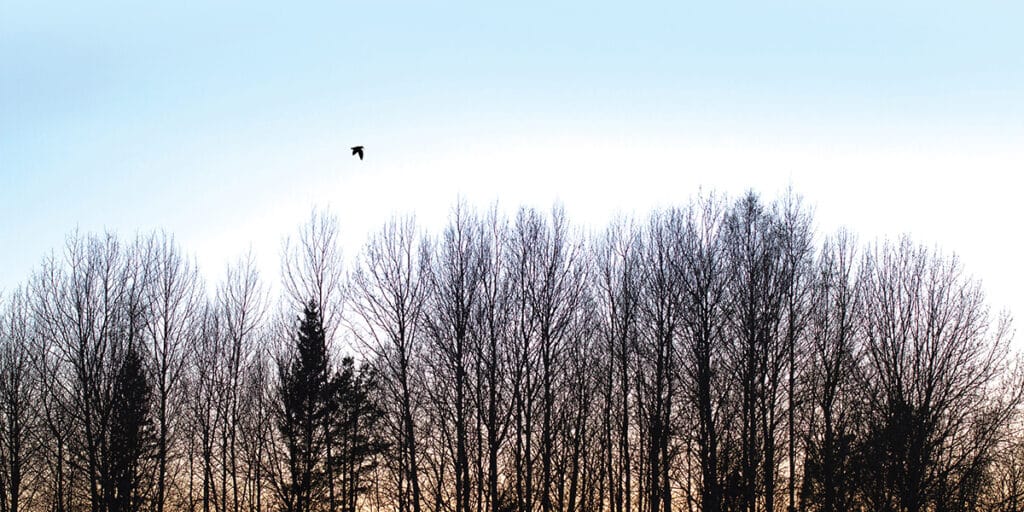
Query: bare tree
(710, 360)
(491, 325)
(311, 269)
(256, 426)
(551, 274)
(705, 282)
(205, 412)
(92, 312)
(58, 425)
(757, 298)
(833, 407)
(660, 324)
(240, 305)
(797, 255)
(1006, 492)
(618, 284)
(453, 291)
(20, 421)
(174, 294)
(525, 237)
(578, 465)
(77, 312)
(387, 296)
(932, 357)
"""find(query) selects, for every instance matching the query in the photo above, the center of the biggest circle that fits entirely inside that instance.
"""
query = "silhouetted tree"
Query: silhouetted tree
(618, 273)
(705, 281)
(550, 270)
(757, 295)
(831, 463)
(204, 413)
(131, 436)
(174, 295)
(257, 426)
(314, 407)
(90, 310)
(355, 421)
(311, 269)
(660, 309)
(1006, 491)
(305, 394)
(797, 256)
(526, 234)
(931, 360)
(715, 358)
(240, 308)
(388, 298)
(454, 284)
(491, 326)
(21, 437)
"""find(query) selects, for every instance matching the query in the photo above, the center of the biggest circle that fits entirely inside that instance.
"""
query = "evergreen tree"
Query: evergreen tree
(306, 394)
(327, 422)
(130, 435)
(356, 427)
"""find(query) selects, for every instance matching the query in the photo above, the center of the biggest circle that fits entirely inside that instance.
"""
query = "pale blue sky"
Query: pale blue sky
(226, 122)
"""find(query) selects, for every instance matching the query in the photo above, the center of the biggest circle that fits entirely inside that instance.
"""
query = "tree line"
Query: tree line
(717, 356)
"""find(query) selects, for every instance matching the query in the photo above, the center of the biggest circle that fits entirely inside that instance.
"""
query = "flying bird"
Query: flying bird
(357, 150)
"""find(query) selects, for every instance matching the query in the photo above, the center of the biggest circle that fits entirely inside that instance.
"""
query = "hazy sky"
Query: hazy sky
(225, 123)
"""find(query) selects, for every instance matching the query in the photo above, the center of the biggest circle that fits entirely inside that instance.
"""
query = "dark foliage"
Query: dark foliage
(708, 358)
(131, 437)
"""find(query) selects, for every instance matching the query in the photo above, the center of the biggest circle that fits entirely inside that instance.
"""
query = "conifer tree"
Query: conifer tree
(130, 434)
(306, 395)
(355, 427)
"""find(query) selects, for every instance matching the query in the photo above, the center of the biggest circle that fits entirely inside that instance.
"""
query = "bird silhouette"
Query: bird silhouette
(357, 150)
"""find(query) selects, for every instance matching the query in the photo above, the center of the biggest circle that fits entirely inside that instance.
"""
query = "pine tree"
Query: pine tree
(355, 427)
(327, 422)
(305, 395)
(130, 435)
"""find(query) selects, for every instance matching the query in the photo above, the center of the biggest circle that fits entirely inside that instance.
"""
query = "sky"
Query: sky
(226, 123)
